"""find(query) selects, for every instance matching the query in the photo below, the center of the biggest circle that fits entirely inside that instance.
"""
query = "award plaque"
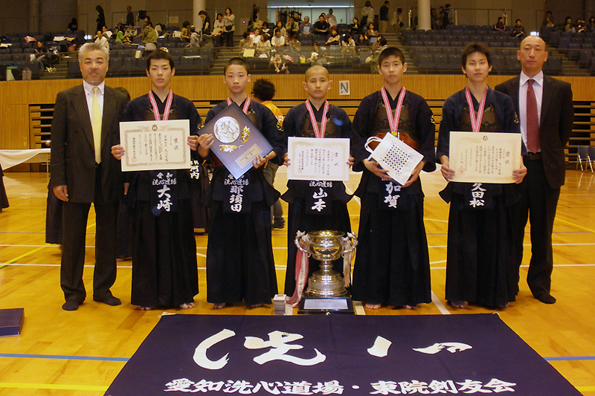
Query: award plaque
(237, 141)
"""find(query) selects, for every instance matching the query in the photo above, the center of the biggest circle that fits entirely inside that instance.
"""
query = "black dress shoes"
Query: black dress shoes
(71, 305)
(545, 298)
(109, 300)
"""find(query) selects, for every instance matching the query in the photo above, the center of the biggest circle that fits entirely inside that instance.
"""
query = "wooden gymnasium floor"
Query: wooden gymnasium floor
(80, 353)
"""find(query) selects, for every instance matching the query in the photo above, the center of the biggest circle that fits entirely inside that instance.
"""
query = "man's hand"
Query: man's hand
(373, 167)
(118, 151)
(61, 193)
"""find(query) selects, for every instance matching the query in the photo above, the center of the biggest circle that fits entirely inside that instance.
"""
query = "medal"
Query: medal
(393, 121)
(246, 104)
(168, 101)
(475, 121)
(319, 133)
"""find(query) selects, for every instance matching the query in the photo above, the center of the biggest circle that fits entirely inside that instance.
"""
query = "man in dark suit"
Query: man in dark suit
(545, 134)
(84, 128)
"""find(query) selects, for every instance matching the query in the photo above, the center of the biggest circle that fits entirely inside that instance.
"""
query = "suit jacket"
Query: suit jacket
(557, 118)
(73, 153)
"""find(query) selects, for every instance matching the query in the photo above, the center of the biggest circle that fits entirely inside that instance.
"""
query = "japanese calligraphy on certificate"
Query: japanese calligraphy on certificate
(318, 159)
(154, 145)
(484, 157)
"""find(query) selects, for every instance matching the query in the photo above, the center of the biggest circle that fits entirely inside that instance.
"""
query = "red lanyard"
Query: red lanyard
(170, 98)
(319, 133)
(393, 121)
(246, 104)
(475, 121)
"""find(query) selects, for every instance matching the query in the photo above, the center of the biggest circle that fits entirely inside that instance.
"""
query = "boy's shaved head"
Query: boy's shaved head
(314, 69)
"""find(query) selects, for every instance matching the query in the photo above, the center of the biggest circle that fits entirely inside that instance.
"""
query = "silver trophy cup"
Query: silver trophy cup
(326, 246)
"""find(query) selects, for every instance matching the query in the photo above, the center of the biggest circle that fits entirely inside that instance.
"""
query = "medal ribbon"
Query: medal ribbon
(393, 121)
(475, 121)
(170, 98)
(319, 133)
(246, 104)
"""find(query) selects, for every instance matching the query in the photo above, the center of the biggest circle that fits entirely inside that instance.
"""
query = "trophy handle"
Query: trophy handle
(351, 238)
(301, 236)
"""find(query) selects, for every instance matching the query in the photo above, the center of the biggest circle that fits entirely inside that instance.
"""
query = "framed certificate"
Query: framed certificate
(155, 145)
(237, 141)
(318, 159)
(484, 157)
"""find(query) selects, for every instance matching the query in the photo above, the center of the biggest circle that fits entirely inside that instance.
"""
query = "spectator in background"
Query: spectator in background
(246, 41)
(265, 29)
(568, 24)
(278, 40)
(149, 36)
(306, 27)
(362, 40)
(41, 54)
(120, 34)
(500, 26)
(435, 19)
(73, 26)
(264, 45)
(384, 17)
(367, 13)
(448, 17)
(130, 32)
(296, 17)
(256, 38)
(207, 39)
(548, 20)
(100, 17)
(580, 26)
(334, 38)
(218, 29)
(194, 38)
(228, 22)
(294, 43)
(282, 29)
(330, 18)
(206, 21)
(356, 28)
(518, 30)
(102, 40)
(321, 26)
(397, 20)
(371, 31)
(591, 24)
(348, 44)
(185, 33)
(129, 16)
(292, 26)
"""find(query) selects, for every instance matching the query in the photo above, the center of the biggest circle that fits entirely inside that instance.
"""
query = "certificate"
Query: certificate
(318, 159)
(237, 141)
(484, 157)
(395, 156)
(155, 145)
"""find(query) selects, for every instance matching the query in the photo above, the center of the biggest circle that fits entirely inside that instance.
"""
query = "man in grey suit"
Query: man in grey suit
(84, 128)
(543, 155)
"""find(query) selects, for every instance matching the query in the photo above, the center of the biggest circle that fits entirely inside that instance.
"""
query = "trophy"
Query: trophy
(326, 283)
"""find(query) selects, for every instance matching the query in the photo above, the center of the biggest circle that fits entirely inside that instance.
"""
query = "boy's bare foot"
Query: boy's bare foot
(459, 304)
(145, 308)
(255, 306)
(189, 305)
(219, 305)
(373, 306)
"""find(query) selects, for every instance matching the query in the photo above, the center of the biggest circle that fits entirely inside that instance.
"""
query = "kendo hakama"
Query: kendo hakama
(303, 214)
(392, 263)
(164, 266)
(240, 262)
(3, 196)
(480, 259)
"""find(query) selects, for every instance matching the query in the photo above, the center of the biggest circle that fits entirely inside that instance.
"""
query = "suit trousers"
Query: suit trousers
(538, 204)
(74, 227)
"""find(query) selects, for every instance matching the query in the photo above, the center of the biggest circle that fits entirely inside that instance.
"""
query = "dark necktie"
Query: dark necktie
(532, 120)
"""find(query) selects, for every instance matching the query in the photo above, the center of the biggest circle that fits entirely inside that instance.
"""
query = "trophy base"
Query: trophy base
(342, 305)
(326, 284)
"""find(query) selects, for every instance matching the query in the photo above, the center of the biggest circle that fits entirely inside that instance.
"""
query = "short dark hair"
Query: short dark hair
(391, 51)
(383, 41)
(475, 47)
(236, 61)
(160, 54)
(263, 90)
